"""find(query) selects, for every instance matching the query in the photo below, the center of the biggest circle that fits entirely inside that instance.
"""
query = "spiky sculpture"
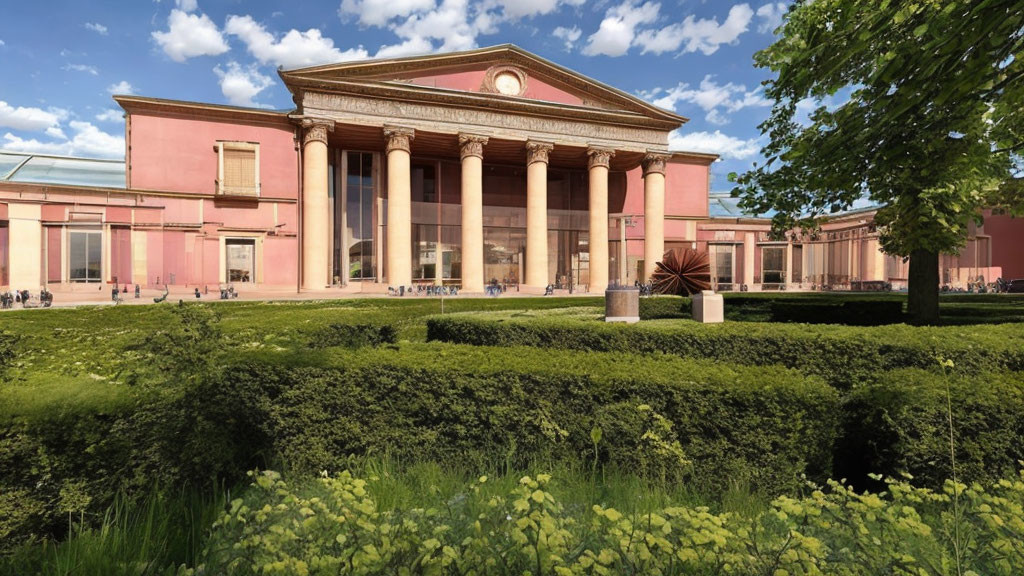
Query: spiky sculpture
(682, 272)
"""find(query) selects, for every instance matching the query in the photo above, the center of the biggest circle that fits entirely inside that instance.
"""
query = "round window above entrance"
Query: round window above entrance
(506, 80)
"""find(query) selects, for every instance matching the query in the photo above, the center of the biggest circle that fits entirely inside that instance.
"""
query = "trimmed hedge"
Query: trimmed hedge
(849, 312)
(901, 424)
(353, 335)
(445, 403)
(485, 406)
(844, 356)
(654, 307)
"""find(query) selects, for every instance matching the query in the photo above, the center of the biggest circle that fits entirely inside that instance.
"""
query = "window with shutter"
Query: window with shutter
(239, 169)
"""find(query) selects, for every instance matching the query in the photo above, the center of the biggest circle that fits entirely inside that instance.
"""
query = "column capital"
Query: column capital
(654, 162)
(537, 151)
(598, 156)
(399, 137)
(472, 145)
(316, 129)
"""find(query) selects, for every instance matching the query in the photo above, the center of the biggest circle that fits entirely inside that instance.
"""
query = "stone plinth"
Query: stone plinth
(708, 307)
(622, 305)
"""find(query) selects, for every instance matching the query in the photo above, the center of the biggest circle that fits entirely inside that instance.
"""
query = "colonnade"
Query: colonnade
(315, 218)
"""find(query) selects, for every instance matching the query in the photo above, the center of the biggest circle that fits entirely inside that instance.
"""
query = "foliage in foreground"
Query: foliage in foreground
(336, 527)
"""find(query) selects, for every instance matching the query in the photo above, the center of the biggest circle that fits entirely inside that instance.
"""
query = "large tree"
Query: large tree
(932, 131)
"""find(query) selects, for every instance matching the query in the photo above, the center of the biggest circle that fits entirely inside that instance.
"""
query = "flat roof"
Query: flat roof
(27, 167)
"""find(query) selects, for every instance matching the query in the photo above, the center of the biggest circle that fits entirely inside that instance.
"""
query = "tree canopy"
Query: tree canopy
(933, 129)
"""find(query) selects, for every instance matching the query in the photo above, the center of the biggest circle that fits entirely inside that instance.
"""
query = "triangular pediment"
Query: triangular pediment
(504, 74)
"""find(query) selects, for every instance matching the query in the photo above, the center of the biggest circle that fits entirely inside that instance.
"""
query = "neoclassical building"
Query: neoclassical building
(464, 168)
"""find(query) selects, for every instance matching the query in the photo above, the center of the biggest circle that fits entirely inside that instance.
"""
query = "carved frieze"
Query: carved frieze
(599, 156)
(654, 163)
(537, 151)
(496, 124)
(471, 145)
(399, 137)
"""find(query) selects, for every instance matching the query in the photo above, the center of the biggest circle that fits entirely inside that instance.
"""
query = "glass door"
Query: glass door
(241, 260)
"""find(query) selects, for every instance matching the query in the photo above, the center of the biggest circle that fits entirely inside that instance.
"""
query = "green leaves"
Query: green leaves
(917, 71)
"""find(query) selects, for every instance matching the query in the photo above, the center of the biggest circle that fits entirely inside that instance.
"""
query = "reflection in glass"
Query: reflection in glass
(84, 253)
(359, 187)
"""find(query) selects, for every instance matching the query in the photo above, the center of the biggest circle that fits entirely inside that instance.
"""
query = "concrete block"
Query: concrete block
(708, 307)
(622, 304)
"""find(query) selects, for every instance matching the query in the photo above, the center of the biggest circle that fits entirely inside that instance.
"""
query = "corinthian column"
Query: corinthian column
(472, 152)
(654, 211)
(537, 214)
(315, 233)
(399, 247)
(597, 164)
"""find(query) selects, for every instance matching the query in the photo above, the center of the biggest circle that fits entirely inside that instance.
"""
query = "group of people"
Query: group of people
(24, 297)
(423, 290)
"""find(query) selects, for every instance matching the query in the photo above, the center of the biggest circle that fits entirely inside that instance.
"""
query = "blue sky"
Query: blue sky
(62, 60)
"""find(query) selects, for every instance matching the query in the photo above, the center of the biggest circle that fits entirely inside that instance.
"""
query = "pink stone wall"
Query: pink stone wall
(472, 80)
(179, 154)
(1007, 244)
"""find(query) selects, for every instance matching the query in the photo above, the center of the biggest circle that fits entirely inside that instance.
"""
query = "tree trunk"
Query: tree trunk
(923, 287)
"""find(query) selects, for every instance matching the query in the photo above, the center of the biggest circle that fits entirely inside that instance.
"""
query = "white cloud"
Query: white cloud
(88, 141)
(187, 5)
(294, 50)
(714, 143)
(450, 24)
(82, 68)
(712, 97)
(411, 47)
(110, 115)
(567, 35)
(2, 43)
(240, 85)
(29, 119)
(428, 26)
(771, 16)
(190, 35)
(97, 28)
(618, 29)
(122, 87)
(380, 12)
(56, 132)
(516, 9)
(691, 35)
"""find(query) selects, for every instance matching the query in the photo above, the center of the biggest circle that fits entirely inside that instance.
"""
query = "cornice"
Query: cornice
(187, 109)
(496, 55)
(402, 92)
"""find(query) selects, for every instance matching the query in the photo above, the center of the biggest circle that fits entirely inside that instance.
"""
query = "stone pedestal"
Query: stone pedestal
(708, 307)
(622, 305)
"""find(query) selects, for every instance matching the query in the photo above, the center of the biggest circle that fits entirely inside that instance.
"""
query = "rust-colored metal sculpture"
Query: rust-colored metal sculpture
(682, 272)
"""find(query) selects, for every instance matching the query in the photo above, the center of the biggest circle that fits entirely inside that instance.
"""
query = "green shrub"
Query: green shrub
(337, 527)
(484, 406)
(354, 335)
(843, 355)
(654, 307)
(848, 312)
(900, 424)
(7, 349)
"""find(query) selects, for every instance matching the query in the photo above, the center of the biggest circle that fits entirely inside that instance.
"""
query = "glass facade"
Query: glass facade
(722, 269)
(773, 266)
(4, 243)
(436, 222)
(241, 258)
(84, 256)
(359, 208)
